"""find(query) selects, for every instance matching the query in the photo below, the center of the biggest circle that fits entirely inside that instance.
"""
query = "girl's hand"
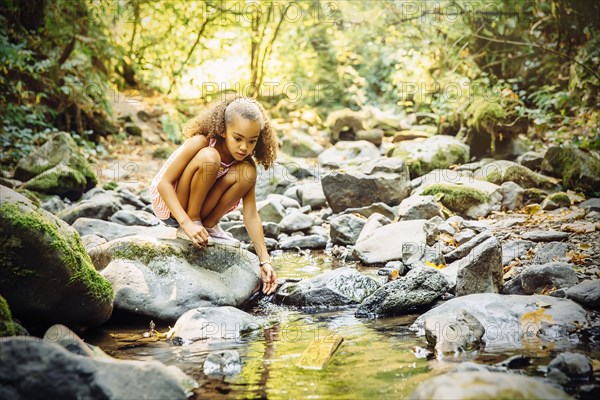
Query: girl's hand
(269, 279)
(197, 233)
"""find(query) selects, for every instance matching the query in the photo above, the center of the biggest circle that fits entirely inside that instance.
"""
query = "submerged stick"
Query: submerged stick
(319, 352)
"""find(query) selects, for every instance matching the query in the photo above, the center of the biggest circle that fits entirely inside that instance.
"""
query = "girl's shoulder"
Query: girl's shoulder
(197, 141)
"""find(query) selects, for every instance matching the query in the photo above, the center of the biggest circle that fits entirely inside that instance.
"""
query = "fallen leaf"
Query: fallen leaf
(547, 290)
(393, 275)
(542, 304)
(531, 322)
(577, 258)
(433, 265)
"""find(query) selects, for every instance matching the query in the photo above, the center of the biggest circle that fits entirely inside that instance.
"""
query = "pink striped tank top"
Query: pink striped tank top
(158, 205)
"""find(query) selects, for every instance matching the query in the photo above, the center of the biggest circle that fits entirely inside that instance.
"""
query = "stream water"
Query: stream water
(378, 358)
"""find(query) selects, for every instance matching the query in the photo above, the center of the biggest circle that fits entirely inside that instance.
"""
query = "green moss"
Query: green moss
(577, 170)
(31, 195)
(144, 252)
(66, 245)
(58, 180)
(533, 195)
(561, 199)
(7, 326)
(110, 186)
(456, 197)
(443, 158)
(518, 174)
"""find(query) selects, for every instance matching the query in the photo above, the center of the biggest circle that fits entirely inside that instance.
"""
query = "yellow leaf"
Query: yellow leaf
(393, 275)
(433, 265)
(531, 322)
(532, 209)
(448, 239)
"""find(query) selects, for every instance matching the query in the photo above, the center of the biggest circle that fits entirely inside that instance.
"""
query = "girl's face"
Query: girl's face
(241, 137)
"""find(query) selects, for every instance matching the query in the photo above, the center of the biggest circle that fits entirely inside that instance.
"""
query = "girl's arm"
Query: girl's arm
(255, 231)
(165, 187)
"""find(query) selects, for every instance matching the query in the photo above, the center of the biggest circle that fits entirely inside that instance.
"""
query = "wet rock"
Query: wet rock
(296, 221)
(346, 228)
(480, 271)
(419, 287)
(552, 251)
(109, 230)
(425, 155)
(536, 278)
(464, 236)
(486, 385)
(500, 316)
(344, 152)
(162, 277)
(102, 206)
(545, 236)
(367, 211)
(532, 160)
(303, 242)
(578, 170)
(60, 374)
(336, 287)
(574, 365)
(224, 362)
(54, 204)
(454, 334)
(374, 222)
(271, 229)
(586, 293)
(390, 241)
(500, 171)
(299, 144)
(419, 207)
(312, 194)
(464, 249)
(136, 217)
(512, 196)
(204, 323)
(59, 150)
(46, 273)
(380, 180)
(556, 200)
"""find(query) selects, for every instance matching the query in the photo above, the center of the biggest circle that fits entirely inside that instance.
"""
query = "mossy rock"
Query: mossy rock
(61, 180)
(502, 171)
(556, 200)
(8, 327)
(31, 195)
(59, 149)
(457, 198)
(579, 170)
(425, 155)
(45, 272)
(534, 196)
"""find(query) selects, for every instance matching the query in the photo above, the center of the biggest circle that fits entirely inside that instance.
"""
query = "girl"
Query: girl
(214, 168)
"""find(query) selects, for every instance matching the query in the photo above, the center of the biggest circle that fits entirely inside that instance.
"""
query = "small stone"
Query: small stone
(545, 236)
(464, 236)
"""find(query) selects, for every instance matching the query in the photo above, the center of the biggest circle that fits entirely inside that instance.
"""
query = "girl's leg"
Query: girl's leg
(196, 181)
(227, 192)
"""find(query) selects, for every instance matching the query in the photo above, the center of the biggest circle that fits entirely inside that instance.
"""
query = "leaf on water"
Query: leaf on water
(531, 322)
(433, 265)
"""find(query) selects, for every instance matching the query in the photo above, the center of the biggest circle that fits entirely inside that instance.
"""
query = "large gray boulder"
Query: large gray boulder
(338, 287)
(214, 323)
(502, 317)
(61, 153)
(389, 242)
(419, 287)
(163, 277)
(36, 369)
(536, 278)
(45, 273)
(486, 385)
(381, 180)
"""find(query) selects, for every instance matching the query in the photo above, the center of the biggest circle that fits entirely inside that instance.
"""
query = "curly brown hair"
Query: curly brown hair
(211, 123)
